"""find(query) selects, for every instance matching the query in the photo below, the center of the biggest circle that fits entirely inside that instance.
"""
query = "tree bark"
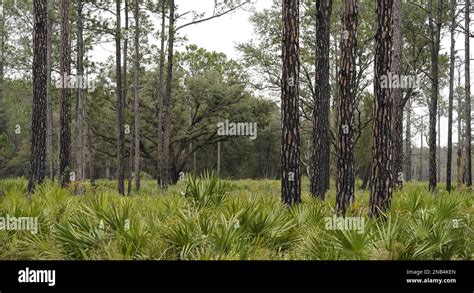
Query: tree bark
(467, 114)
(80, 150)
(65, 70)
(161, 93)
(438, 148)
(218, 158)
(49, 103)
(421, 150)
(290, 143)
(459, 147)
(136, 87)
(38, 117)
(166, 114)
(127, 102)
(435, 31)
(345, 182)
(382, 163)
(397, 125)
(321, 111)
(120, 104)
(451, 97)
(408, 151)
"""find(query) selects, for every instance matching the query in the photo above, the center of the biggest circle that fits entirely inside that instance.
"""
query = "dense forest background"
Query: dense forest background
(207, 88)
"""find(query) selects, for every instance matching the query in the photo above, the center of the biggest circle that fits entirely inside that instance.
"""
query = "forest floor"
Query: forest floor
(209, 219)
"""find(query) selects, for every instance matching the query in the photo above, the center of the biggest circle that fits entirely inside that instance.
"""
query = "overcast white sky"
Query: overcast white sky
(222, 35)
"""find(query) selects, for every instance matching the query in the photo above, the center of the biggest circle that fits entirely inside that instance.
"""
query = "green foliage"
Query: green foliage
(208, 219)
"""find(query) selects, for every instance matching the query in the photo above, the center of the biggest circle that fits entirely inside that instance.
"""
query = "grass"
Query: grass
(208, 219)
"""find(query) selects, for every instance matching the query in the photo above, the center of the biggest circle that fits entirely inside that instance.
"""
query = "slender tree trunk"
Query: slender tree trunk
(438, 148)
(467, 115)
(408, 151)
(382, 163)
(38, 118)
(88, 143)
(345, 179)
(194, 162)
(49, 103)
(65, 129)
(366, 178)
(397, 125)
(126, 100)
(161, 93)
(321, 152)
(451, 96)
(421, 150)
(80, 151)
(136, 112)
(435, 31)
(290, 143)
(120, 104)
(166, 114)
(90, 157)
(459, 146)
(218, 158)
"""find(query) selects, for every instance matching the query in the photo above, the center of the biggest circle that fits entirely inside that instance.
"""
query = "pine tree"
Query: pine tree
(166, 109)
(120, 103)
(467, 114)
(451, 96)
(345, 179)
(136, 90)
(38, 117)
(290, 144)
(397, 98)
(65, 71)
(382, 159)
(321, 111)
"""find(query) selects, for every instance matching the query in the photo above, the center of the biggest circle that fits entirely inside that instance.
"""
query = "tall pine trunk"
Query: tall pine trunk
(120, 104)
(290, 141)
(127, 102)
(459, 177)
(435, 34)
(467, 114)
(345, 181)
(136, 90)
(166, 110)
(161, 93)
(65, 71)
(382, 162)
(397, 124)
(321, 112)
(451, 97)
(408, 151)
(438, 148)
(38, 117)
(420, 178)
(49, 103)
(80, 150)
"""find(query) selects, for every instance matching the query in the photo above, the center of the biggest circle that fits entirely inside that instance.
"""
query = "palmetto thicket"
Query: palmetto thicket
(204, 218)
